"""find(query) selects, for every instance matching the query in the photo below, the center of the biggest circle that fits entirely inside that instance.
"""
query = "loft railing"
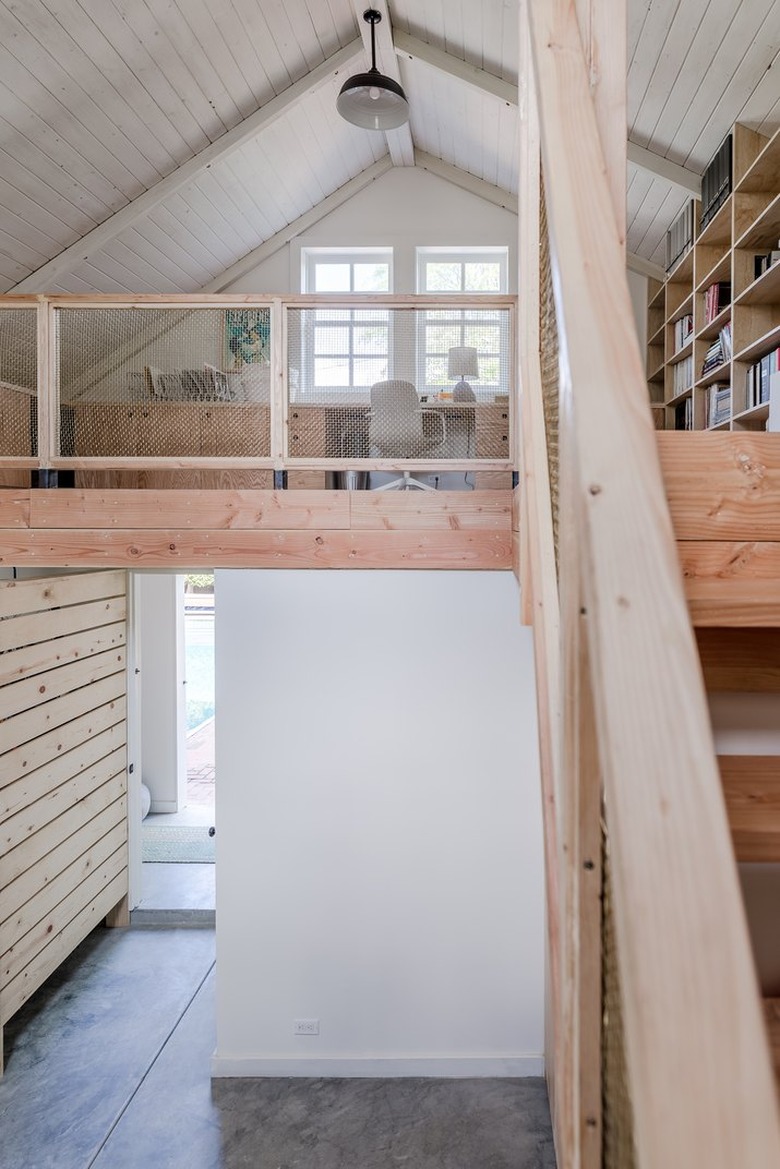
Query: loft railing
(657, 1055)
(111, 382)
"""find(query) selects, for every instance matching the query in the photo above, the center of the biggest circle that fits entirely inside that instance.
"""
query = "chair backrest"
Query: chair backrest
(395, 422)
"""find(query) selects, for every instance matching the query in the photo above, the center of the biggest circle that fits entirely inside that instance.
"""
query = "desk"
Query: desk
(340, 428)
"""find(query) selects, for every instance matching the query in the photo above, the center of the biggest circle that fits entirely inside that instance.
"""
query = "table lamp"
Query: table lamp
(462, 363)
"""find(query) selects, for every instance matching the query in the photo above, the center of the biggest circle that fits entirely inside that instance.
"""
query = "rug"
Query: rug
(171, 844)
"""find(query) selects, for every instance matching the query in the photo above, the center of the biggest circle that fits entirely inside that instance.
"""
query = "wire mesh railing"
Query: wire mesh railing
(180, 383)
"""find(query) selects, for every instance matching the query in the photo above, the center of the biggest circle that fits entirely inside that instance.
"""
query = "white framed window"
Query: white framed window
(473, 272)
(346, 349)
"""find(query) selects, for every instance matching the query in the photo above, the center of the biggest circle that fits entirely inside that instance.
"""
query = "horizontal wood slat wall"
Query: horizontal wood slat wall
(751, 786)
(63, 768)
(181, 530)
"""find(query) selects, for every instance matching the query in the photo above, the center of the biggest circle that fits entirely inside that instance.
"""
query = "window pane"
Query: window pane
(442, 277)
(484, 276)
(483, 337)
(372, 277)
(370, 339)
(331, 277)
(436, 371)
(440, 339)
(331, 340)
(444, 315)
(331, 371)
(370, 370)
(489, 370)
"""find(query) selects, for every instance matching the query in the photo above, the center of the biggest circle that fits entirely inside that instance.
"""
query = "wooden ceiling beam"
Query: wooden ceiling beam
(399, 142)
(48, 274)
(662, 168)
(468, 182)
(644, 267)
(417, 50)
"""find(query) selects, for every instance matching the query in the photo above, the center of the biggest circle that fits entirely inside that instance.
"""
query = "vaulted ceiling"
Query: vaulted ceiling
(151, 145)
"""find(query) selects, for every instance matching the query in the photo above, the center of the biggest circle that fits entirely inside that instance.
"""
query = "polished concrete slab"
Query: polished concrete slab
(177, 887)
(109, 1068)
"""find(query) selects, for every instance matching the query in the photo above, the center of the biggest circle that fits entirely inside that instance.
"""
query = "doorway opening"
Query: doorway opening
(176, 620)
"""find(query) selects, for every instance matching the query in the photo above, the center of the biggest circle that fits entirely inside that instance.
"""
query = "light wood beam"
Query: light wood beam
(664, 168)
(461, 178)
(48, 274)
(303, 223)
(644, 267)
(399, 142)
(417, 50)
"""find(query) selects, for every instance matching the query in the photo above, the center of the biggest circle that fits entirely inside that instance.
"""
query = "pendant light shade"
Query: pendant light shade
(371, 99)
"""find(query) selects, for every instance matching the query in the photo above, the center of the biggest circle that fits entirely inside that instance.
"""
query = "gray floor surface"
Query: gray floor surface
(108, 1066)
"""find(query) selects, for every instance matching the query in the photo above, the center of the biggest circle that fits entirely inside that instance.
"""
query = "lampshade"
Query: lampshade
(371, 99)
(462, 362)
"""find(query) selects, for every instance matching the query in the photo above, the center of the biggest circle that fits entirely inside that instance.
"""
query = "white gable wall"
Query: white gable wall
(406, 208)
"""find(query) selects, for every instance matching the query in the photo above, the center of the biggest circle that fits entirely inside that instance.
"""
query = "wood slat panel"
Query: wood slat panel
(29, 629)
(48, 885)
(772, 1018)
(730, 583)
(740, 659)
(415, 510)
(35, 659)
(751, 787)
(730, 604)
(52, 802)
(43, 750)
(189, 509)
(14, 509)
(723, 486)
(54, 592)
(181, 551)
(30, 724)
(63, 939)
(31, 692)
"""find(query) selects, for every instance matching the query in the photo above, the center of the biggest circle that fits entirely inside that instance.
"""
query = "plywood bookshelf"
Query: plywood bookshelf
(747, 225)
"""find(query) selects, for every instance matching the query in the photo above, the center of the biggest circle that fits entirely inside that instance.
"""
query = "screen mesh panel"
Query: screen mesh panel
(548, 333)
(163, 382)
(18, 382)
(398, 383)
(618, 1150)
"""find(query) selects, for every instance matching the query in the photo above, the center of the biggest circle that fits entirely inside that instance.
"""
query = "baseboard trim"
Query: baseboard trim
(163, 807)
(457, 1068)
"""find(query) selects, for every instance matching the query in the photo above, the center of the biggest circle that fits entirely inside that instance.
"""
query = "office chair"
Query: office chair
(395, 428)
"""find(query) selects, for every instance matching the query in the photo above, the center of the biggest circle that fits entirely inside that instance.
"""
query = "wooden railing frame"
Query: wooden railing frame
(279, 459)
(699, 1070)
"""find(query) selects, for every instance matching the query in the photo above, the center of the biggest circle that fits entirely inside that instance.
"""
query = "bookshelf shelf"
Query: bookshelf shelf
(713, 327)
(724, 252)
(765, 290)
(721, 373)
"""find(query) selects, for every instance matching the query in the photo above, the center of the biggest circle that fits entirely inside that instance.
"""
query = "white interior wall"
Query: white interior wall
(379, 852)
(404, 209)
(637, 287)
(161, 648)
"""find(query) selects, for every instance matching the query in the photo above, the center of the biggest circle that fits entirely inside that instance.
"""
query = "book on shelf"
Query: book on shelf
(683, 331)
(716, 182)
(765, 261)
(724, 336)
(716, 297)
(683, 415)
(718, 403)
(679, 237)
(759, 378)
(713, 357)
(682, 375)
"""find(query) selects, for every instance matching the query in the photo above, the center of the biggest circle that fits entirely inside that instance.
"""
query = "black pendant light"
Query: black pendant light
(372, 100)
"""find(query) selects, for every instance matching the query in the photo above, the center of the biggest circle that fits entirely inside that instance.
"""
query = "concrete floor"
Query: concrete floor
(107, 1067)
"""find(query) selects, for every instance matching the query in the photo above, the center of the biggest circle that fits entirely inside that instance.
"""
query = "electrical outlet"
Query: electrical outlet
(306, 1026)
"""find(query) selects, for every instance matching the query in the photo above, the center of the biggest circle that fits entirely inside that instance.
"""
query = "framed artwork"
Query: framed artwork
(247, 337)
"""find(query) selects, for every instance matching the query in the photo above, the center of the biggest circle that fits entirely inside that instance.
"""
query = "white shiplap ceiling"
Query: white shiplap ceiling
(107, 108)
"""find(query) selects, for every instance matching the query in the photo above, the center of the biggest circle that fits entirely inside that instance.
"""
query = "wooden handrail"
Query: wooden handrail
(698, 1062)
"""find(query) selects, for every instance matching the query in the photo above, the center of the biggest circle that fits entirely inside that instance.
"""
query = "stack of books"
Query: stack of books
(716, 298)
(719, 351)
(759, 377)
(682, 376)
(683, 330)
(765, 261)
(683, 415)
(716, 183)
(679, 237)
(719, 403)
